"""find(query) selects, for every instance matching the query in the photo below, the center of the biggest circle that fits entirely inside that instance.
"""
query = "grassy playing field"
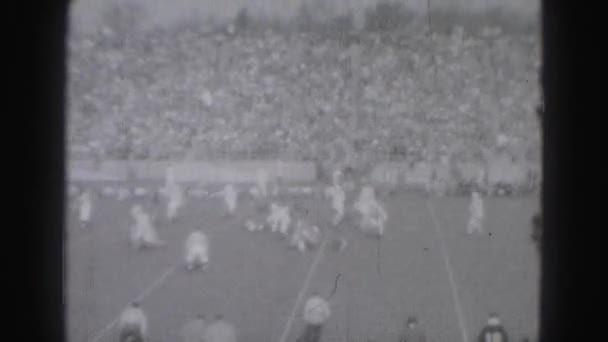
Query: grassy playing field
(254, 279)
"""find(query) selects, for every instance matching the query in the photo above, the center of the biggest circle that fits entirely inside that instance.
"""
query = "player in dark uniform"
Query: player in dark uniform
(493, 331)
(412, 332)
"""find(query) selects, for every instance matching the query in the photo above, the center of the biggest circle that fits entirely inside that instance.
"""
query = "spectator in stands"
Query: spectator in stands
(220, 331)
(194, 330)
(412, 332)
(493, 330)
(133, 324)
(316, 313)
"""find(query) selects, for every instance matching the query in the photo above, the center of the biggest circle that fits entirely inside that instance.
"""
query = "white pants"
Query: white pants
(197, 254)
(475, 225)
(85, 213)
(372, 225)
(172, 208)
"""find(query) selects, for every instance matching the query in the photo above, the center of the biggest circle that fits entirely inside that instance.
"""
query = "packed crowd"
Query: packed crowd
(409, 95)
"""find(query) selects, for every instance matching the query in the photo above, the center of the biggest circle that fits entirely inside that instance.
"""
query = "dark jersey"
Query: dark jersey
(493, 334)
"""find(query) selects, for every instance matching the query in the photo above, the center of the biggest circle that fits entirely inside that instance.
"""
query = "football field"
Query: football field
(424, 265)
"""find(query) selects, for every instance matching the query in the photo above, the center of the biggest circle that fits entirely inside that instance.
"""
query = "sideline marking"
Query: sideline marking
(448, 266)
(140, 297)
(303, 290)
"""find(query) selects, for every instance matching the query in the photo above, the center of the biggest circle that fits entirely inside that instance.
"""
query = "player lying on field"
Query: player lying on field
(373, 214)
(143, 233)
(197, 250)
(305, 235)
(133, 324)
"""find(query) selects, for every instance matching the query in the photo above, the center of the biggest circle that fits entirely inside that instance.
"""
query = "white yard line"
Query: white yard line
(155, 284)
(448, 266)
(303, 290)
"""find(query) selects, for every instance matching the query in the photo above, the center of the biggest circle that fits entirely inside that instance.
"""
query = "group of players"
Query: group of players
(268, 213)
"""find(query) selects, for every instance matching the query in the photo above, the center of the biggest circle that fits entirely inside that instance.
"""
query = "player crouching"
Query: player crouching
(143, 233)
(373, 214)
(197, 250)
(305, 236)
(133, 324)
(279, 219)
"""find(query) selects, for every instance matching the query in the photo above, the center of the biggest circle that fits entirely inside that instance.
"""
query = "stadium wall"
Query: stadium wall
(520, 177)
(86, 14)
(207, 172)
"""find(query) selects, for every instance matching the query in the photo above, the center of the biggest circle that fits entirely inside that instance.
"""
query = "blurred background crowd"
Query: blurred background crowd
(405, 94)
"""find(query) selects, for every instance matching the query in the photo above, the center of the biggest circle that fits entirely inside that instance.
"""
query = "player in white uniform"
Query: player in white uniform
(143, 233)
(279, 219)
(230, 198)
(373, 214)
(305, 236)
(197, 250)
(476, 213)
(133, 324)
(338, 197)
(85, 208)
(175, 201)
(261, 188)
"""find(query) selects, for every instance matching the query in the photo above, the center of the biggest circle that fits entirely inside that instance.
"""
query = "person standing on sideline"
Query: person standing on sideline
(316, 313)
(85, 208)
(412, 332)
(220, 331)
(194, 330)
(493, 331)
(476, 213)
(133, 324)
(197, 250)
(337, 196)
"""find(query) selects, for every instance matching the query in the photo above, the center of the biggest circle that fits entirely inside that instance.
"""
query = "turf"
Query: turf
(254, 278)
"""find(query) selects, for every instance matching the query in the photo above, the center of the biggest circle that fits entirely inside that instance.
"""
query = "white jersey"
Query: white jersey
(143, 230)
(197, 240)
(262, 182)
(316, 310)
(279, 218)
(476, 207)
(86, 207)
(230, 198)
(134, 317)
(338, 197)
